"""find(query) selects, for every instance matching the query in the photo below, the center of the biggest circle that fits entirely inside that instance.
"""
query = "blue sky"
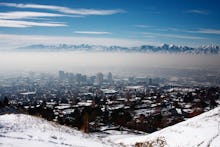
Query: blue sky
(110, 22)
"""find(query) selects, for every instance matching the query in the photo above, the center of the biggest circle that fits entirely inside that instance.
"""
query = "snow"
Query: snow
(27, 93)
(68, 111)
(202, 130)
(19, 130)
(109, 91)
(63, 106)
(87, 103)
(134, 87)
(112, 135)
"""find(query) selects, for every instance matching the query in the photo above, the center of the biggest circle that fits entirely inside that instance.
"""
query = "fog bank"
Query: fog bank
(94, 62)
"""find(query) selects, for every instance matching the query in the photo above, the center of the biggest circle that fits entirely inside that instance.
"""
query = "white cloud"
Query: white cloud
(24, 24)
(65, 10)
(196, 11)
(207, 31)
(26, 14)
(9, 19)
(173, 36)
(92, 32)
(143, 26)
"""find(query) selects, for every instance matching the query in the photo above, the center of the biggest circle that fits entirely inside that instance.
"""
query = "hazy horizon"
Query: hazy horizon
(89, 62)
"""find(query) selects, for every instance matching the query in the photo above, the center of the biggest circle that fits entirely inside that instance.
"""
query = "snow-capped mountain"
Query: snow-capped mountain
(202, 131)
(165, 48)
(19, 130)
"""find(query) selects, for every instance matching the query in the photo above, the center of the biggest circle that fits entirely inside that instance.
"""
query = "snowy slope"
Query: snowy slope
(18, 130)
(202, 130)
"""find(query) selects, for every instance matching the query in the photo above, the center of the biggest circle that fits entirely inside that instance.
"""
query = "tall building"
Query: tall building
(78, 78)
(84, 78)
(61, 75)
(109, 78)
(71, 77)
(150, 82)
(99, 78)
(92, 79)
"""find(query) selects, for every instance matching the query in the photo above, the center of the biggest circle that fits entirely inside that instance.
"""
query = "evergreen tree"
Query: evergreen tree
(6, 101)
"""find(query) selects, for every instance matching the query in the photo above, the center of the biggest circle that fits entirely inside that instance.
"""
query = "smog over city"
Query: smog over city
(109, 73)
(93, 62)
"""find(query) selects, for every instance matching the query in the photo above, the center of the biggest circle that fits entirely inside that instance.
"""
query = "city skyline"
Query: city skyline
(127, 23)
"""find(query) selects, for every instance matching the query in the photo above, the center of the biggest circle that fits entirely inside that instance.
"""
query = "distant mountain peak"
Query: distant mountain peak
(164, 48)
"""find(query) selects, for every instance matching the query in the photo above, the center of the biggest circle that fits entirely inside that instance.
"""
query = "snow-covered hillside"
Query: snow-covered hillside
(202, 131)
(18, 130)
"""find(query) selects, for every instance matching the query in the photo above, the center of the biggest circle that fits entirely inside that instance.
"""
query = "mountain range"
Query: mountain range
(165, 48)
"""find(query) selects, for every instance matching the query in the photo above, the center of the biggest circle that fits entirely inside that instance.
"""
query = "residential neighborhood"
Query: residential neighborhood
(101, 102)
